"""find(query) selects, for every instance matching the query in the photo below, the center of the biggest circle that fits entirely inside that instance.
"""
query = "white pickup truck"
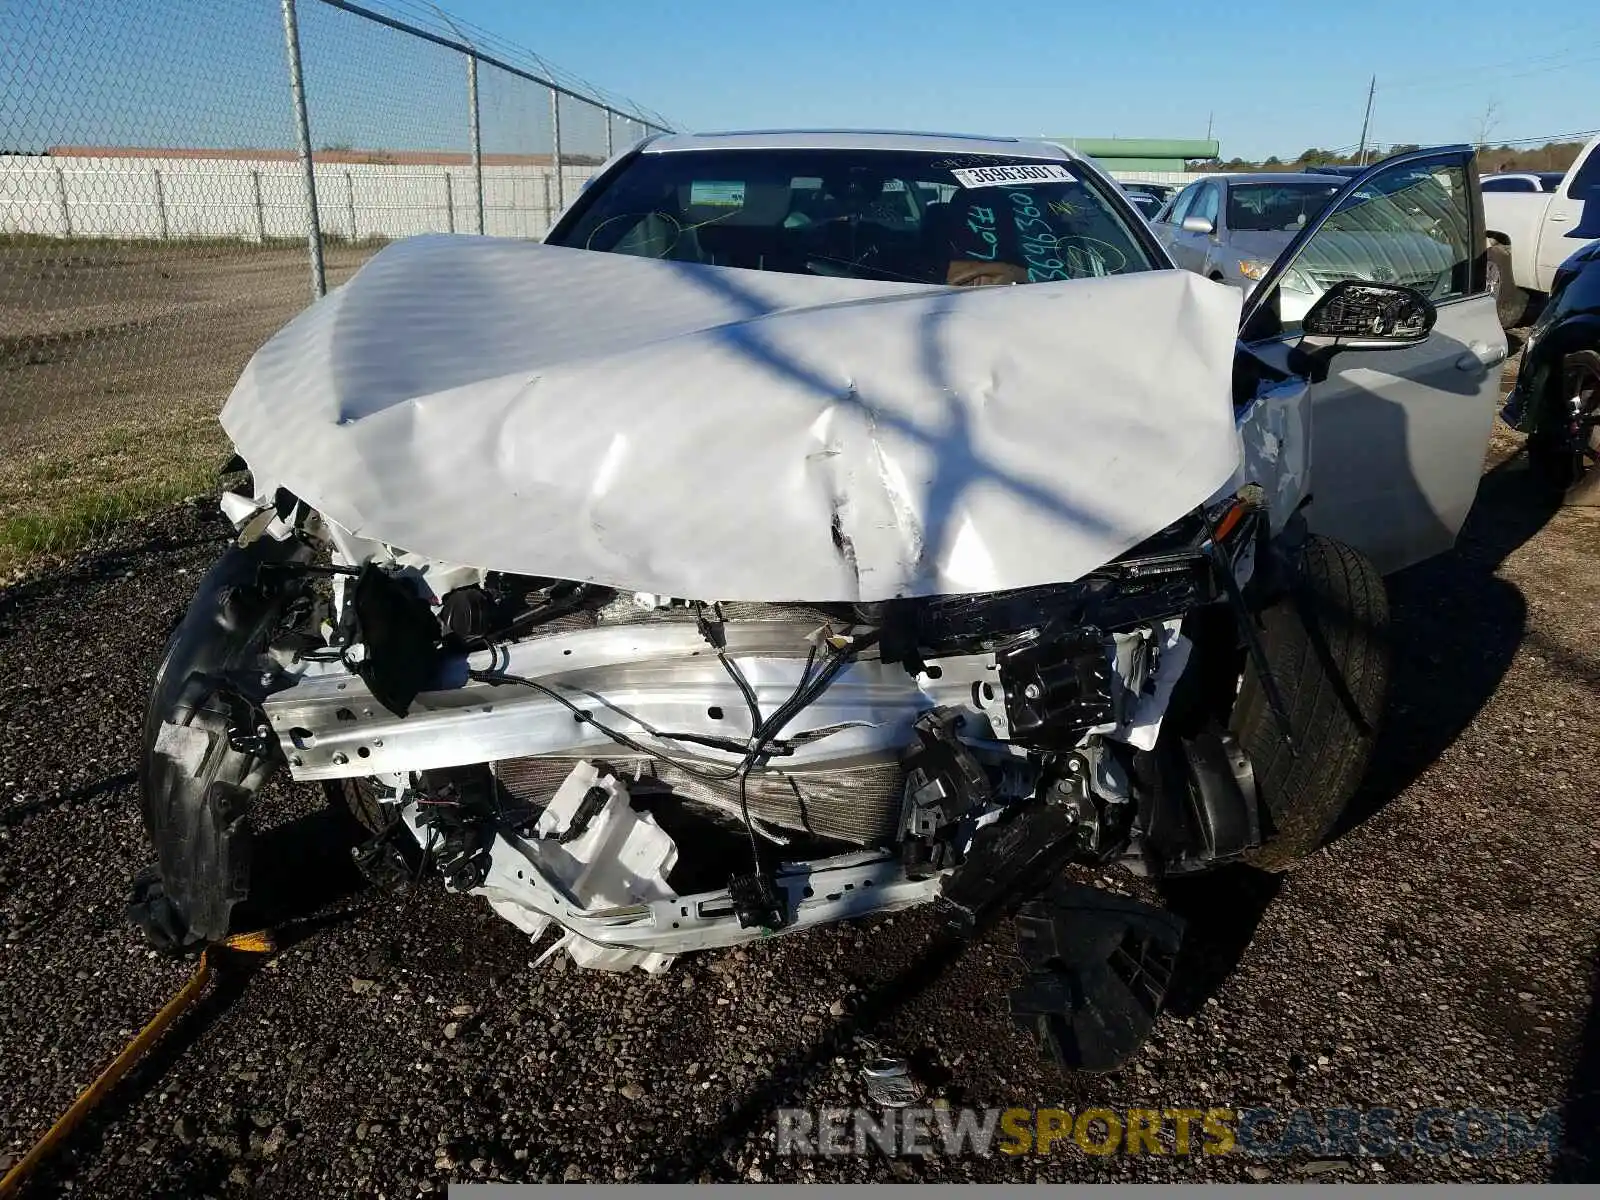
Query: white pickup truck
(1533, 233)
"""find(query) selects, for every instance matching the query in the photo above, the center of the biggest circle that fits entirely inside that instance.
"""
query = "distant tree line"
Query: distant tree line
(1552, 156)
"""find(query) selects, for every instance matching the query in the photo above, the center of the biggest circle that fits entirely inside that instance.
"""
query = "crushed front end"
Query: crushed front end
(655, 775)
(668, 607)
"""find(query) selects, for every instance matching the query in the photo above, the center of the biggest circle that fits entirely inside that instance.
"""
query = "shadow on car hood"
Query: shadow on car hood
(1265, 244)
(716, 433)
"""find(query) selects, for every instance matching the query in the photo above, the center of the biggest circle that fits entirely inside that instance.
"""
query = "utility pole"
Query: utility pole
(1366, 123)
(1211, 120)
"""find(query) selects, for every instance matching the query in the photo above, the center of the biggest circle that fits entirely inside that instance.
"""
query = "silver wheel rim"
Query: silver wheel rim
(1584, 401)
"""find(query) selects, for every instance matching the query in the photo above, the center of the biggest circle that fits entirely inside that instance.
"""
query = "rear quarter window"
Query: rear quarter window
(1587, 178)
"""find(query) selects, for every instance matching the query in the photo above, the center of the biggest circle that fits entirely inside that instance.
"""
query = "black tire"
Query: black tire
(1326, 642)
(1510, 301)
(358, 798)
(1567, 460)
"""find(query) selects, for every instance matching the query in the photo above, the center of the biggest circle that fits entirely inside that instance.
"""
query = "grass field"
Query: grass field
(115, 358)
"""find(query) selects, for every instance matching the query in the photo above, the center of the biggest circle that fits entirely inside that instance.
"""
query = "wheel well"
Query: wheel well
(1497, 238)
(1548, 408)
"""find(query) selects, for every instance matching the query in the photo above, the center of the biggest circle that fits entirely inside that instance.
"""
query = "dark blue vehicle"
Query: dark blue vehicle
(1557, 398)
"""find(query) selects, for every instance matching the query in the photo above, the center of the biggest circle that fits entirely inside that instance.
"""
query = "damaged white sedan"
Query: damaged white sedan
(730, 564)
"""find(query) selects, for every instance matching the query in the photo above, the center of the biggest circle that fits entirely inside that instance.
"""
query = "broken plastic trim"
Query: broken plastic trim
(1098, 968)
(197, 781)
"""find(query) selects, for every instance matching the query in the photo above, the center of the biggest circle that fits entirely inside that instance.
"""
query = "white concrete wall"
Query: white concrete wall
(252, 200)
(1178, 177)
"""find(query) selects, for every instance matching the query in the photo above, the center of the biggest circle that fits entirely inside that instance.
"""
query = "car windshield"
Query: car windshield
(862, 214)
(1277, 207)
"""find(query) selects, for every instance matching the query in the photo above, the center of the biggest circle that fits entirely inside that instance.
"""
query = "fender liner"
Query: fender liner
(198, 772)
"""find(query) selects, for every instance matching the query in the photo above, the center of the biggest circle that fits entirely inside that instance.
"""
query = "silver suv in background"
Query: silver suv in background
(1231, 227)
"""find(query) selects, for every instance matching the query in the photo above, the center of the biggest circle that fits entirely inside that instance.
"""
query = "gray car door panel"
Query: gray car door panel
(1398, 437)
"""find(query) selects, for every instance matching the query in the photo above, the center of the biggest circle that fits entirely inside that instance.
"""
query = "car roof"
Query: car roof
(1269, 177)
(856, 139)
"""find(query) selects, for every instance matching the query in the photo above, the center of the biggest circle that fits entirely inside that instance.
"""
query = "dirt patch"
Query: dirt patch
(115, 359)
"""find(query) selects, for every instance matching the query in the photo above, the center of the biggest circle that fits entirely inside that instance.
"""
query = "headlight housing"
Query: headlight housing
(1294, 281)
(1254, 268)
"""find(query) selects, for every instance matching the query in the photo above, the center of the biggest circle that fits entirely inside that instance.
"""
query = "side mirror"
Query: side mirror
(1359, 315)
(1198, 225)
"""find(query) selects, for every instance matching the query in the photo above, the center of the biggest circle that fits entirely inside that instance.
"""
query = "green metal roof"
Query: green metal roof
(1163, 148)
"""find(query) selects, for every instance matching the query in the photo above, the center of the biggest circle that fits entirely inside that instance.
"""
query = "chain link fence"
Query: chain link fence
(177, 180)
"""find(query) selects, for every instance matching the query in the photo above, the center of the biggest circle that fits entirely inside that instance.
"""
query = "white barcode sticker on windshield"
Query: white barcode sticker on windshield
(973, 177)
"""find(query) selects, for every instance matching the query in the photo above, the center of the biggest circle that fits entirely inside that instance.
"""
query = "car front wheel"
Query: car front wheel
(1326, 644)
(1510, 301)
(1566, 455)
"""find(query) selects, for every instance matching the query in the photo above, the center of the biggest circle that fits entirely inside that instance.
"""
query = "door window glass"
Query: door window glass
(1205, 204)
(1410, 225)
(1180, 206)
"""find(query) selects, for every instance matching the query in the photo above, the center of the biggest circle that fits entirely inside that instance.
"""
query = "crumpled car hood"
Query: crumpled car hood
(717, 433)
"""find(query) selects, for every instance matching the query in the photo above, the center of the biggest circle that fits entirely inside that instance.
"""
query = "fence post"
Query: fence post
(549, 216)
(555, 149)
(350, 204)
(261, 212)
(61, 194)
(609, 116)
(449, 202)
(291, 39)
(161, 206)
(477, 144)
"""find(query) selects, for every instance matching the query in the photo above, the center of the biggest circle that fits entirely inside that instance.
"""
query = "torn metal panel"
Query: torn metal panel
(1275, 436)
(819, 892)
(1143, 723)
(712, 432)
(635, 679)
(604, 858)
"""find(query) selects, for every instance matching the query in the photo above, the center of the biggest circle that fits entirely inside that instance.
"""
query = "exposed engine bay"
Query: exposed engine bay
(1010, 663)
(656, 775)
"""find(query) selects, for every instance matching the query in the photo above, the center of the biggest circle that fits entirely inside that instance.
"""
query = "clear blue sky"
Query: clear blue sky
(1279, 76)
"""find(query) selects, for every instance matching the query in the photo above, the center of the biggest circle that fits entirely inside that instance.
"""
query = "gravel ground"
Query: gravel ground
(1441, 951)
